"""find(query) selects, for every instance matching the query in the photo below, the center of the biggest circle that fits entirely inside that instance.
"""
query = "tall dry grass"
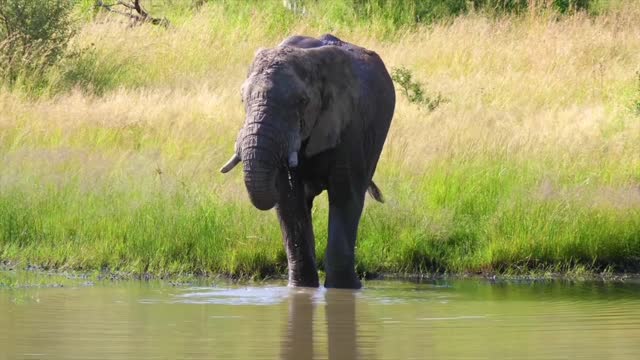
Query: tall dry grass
(533, 163)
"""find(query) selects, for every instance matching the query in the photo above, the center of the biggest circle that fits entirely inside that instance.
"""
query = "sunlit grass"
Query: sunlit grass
(532, 164)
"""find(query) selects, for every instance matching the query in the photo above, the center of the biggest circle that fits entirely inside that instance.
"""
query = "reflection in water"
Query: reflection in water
(387, 320)
(340, 312)
(298, 339)
(341, 324)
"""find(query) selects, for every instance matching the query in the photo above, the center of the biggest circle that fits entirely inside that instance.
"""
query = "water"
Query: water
(387, 320)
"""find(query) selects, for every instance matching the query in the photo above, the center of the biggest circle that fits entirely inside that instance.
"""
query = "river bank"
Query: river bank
(16, 277)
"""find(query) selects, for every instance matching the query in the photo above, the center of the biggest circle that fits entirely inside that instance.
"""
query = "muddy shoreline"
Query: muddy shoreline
(46, 277)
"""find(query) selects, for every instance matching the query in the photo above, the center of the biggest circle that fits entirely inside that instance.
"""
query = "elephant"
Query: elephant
(318, 111)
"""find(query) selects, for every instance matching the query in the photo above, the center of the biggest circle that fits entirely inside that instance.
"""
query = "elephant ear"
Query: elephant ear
(337, 87)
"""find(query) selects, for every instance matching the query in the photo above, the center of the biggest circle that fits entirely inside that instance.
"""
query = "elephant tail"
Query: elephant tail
(374, 192)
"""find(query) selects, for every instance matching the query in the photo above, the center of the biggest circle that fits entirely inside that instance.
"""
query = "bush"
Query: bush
(414, 91)
(33, 36)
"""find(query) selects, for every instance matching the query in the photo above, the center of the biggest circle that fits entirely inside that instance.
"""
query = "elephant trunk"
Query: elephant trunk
(262, 150)
(260, 181)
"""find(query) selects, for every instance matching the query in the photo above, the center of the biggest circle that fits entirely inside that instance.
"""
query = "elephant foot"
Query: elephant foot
(304, 279)
(309, 284)
(342, 281)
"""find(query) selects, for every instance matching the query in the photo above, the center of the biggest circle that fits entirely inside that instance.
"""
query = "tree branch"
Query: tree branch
(140, 15)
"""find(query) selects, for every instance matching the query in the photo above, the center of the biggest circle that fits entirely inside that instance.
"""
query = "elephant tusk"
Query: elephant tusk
(235, 160)
(293, 159)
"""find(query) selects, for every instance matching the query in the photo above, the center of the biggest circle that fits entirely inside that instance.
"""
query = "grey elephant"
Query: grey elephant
(317, 116)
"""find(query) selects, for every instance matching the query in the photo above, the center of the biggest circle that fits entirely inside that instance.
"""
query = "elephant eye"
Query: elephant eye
(304, 100)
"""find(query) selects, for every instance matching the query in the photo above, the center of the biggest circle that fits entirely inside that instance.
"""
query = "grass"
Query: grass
(532, 165)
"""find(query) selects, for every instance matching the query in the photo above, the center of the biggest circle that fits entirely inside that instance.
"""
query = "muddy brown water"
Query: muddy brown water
(467, 319)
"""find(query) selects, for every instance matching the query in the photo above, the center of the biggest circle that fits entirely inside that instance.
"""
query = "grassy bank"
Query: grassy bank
(532, 163)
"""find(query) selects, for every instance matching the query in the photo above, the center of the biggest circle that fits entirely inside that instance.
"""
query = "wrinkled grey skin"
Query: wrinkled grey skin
(317, 115)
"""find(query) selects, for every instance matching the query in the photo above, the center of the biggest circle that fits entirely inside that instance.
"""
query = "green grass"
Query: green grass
(157, 233)
(531, 166)
(480, 217)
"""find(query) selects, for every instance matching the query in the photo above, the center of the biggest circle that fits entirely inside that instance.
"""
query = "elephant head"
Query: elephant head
(297, 103)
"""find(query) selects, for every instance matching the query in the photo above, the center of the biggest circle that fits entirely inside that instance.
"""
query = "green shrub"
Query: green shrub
(414, 91)
(33, 36)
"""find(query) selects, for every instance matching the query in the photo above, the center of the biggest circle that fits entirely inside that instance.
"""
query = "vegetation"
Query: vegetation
(533, 163)
(413, 90)
(33, 37)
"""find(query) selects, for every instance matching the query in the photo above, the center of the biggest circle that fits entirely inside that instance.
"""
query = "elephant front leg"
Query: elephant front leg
(344, 216)
(297, 231)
